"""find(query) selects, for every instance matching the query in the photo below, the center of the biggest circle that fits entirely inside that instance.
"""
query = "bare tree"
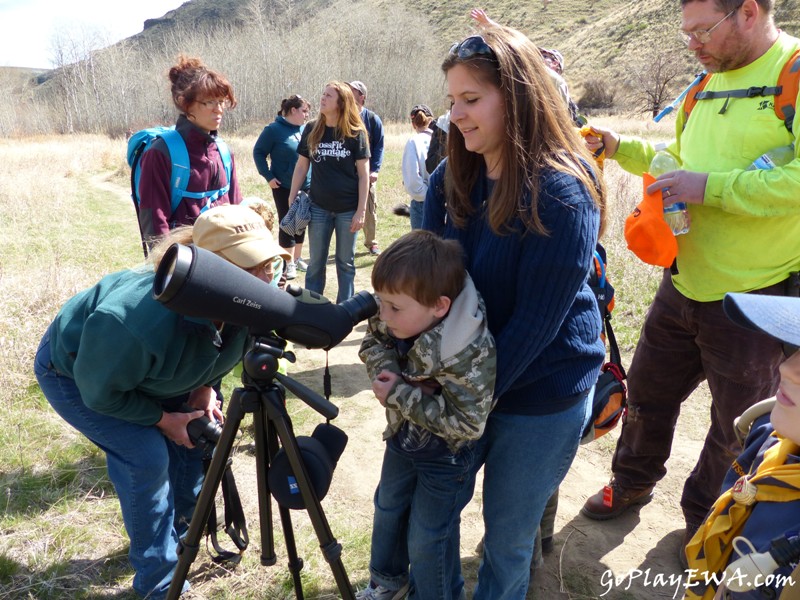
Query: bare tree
(651, 80)
(273, 52)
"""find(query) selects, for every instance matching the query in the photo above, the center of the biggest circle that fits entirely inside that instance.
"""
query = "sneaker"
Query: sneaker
(374, 250)
(381, 593)
(613, 500)
(301, 265)
(291, 270)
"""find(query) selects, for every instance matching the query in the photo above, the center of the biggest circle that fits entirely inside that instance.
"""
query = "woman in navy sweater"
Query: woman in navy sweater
(519, 194)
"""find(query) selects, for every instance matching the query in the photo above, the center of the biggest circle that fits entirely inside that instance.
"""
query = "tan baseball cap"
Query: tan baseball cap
(238, 234)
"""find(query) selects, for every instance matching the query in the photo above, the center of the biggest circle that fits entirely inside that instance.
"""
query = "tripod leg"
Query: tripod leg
(331, 549)
(190, 545)
(263, 454)
(295, 562)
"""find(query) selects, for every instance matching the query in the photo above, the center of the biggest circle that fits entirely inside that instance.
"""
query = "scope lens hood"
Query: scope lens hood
(172, 272)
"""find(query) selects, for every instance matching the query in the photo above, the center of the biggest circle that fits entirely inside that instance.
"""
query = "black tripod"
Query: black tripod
(265, 398)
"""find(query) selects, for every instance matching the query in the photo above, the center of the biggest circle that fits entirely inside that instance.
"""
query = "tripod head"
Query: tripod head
(260, 369)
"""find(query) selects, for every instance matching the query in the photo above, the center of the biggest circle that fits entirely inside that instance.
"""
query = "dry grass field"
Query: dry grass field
(66, 220)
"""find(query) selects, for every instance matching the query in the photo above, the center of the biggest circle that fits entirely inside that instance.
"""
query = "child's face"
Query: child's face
(407, 318)
(786, 414)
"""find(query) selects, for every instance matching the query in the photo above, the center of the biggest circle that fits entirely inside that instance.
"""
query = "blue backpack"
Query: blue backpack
(140, 141)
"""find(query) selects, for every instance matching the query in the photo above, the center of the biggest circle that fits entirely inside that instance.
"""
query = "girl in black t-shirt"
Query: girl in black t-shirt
(337, 145)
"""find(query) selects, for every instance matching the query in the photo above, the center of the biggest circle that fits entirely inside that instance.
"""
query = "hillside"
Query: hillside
(599, 38)
(269, 49)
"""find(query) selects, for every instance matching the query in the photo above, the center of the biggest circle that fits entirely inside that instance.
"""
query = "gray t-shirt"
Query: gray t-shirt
(334, 179)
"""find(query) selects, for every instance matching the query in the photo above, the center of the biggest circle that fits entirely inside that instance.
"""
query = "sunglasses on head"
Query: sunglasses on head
(471, 47)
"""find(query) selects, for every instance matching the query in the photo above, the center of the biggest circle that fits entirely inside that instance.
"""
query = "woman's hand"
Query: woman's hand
(205, 399)
(358, 220)
(274, 183)
(173, 426)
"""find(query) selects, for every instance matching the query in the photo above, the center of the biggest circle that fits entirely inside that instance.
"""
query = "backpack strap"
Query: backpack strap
(235, 523)
(691, 95)
(789, 86)
(785, 92)
(210, 195)
(181, 167)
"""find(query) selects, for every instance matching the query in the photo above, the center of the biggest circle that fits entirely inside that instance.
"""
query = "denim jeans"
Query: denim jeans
(682, 343)
(320, 229)
(416, 209)
(157, 482)
(418, 507)
(525, 459)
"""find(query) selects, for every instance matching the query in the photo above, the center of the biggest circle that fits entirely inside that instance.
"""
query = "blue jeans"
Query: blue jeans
(320, 229)
(416, 210)
(525, 459)
(418, 507)
(157, 481)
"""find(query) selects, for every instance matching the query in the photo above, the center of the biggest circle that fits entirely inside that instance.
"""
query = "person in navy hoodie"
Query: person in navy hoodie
(275, 155)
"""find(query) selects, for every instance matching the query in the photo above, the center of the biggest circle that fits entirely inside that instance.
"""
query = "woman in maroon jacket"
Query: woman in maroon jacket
(202, 96)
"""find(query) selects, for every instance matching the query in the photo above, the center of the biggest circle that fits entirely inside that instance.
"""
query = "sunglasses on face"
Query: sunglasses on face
(471, 47)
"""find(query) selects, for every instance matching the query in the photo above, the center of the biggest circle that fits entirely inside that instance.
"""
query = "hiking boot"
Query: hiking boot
(301, 265)
(381, 593)
(291, 270)
(613, 500)
(688, 534)
(547, 544)
(374, 250)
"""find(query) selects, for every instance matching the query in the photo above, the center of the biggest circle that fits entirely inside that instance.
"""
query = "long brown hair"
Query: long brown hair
(539, 133)
(349, 122)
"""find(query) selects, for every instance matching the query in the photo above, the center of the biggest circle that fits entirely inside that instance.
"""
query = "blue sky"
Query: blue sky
(29, 26)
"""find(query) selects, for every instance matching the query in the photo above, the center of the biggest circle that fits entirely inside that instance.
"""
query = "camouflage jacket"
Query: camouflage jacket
(457, 357)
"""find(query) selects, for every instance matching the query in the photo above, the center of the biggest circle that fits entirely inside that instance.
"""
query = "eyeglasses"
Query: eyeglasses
(703, 36)
(471, 47)
(212, 104)
(266, 270)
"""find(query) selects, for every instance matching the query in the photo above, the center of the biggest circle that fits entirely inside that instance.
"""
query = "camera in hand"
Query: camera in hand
(203, 432)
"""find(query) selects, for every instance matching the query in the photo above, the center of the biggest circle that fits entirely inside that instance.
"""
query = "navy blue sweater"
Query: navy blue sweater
(374, 127)
(541, 311)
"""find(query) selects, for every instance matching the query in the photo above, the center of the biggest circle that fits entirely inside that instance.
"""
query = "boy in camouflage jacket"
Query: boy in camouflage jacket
(431, 359)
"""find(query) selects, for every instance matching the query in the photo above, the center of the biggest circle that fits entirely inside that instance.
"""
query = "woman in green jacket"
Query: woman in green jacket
(117, 365)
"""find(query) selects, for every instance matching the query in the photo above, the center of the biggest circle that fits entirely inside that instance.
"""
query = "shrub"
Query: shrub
(597, 93)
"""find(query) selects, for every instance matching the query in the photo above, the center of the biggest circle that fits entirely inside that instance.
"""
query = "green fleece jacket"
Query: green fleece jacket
(127, 352)
(746, 234)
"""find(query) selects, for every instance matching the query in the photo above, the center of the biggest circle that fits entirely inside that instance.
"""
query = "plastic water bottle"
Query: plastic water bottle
(777, 157)
(676, 215)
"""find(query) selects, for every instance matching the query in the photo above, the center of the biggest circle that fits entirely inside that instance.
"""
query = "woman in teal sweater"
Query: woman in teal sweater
(275, 155)
(115, 364)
